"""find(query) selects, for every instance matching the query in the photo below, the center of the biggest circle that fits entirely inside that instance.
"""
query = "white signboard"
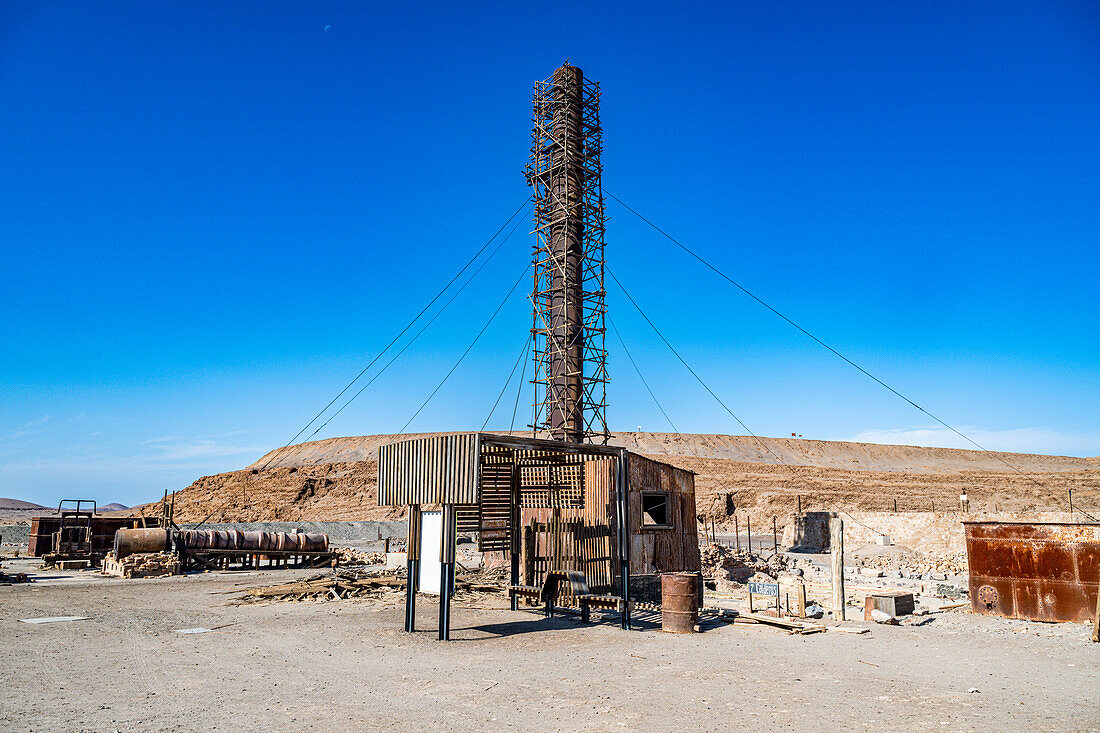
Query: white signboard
(431, 540)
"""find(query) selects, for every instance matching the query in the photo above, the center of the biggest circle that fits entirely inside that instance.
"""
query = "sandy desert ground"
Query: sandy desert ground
(347, 665)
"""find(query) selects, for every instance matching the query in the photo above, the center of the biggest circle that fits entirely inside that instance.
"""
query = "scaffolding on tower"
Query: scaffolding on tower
(567, 297)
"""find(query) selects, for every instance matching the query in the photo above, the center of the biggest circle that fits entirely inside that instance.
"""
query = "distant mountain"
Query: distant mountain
(17, 504)
(113, 507)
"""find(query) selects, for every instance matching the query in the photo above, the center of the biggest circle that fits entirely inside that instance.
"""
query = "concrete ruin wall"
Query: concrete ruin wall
(918, 531)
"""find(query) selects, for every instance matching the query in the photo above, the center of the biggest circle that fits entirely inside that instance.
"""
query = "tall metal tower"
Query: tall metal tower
(568, 260)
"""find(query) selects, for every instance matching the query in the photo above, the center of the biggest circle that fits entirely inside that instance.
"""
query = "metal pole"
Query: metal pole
(446, 571)
(736, 533)
(895, 506)
(624, 540)
(800, 503)
(412, 557)
(748, 530)
(514, 544)
(775, 537)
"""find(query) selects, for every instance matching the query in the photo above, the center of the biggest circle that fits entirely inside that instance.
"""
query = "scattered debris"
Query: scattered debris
(53, 619)
(196, 630)
(9, 578)
(350, 584)
(142, 565)
(352, 556)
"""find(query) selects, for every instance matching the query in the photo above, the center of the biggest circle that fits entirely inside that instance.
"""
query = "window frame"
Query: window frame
(667, 496)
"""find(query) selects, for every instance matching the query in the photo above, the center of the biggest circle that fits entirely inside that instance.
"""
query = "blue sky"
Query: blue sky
(216, 213)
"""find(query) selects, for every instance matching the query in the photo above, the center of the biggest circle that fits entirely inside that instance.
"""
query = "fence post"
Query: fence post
(836, 546)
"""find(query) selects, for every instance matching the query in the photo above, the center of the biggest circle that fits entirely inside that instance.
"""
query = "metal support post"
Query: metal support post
(624, 538)
(412, 551)
(446, 571)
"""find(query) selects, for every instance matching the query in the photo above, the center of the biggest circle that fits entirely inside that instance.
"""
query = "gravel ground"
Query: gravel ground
(346, 665)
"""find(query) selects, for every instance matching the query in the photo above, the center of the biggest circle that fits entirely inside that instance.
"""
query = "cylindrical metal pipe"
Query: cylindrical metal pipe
(679, 602)
(232, 539)
(130, 541)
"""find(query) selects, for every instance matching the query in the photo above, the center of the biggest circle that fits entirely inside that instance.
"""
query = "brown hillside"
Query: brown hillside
(335, 479)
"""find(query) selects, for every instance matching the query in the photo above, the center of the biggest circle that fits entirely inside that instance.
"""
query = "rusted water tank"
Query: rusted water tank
(130, 541)
(679, 602)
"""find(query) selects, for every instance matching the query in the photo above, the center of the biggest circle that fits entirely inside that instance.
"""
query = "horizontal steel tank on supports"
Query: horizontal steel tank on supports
(132, 541)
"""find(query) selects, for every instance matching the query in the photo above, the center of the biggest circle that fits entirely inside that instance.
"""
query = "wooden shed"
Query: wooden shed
(550, 507)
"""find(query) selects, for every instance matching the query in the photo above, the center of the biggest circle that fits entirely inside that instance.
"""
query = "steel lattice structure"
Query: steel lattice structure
(568, 260)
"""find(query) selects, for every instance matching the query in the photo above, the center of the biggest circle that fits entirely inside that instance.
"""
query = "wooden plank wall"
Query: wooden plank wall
(662, 550)
(574, 538)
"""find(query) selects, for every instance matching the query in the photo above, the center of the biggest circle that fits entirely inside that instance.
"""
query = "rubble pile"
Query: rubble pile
(343, 584)
(352, 556)
(725, 565)
(930, 565)
(142, 565)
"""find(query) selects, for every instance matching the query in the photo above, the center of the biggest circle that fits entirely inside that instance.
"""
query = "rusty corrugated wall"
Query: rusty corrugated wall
(1035, 571)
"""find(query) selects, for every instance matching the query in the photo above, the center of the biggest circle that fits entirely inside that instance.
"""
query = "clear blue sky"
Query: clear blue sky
(215, 213)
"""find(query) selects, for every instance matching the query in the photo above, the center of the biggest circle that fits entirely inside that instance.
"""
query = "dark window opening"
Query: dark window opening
(655, 511)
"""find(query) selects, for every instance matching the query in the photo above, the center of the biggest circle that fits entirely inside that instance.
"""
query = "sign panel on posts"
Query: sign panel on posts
(764, 589)
(431, 541)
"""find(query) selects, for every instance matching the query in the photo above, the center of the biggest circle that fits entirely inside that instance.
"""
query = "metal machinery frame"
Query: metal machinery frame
(567, 297)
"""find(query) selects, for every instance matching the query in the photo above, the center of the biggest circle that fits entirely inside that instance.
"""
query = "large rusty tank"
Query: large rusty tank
(1040, 571)
(132, 541)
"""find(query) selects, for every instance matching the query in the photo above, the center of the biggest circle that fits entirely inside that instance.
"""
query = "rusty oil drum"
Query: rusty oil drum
(679, 602)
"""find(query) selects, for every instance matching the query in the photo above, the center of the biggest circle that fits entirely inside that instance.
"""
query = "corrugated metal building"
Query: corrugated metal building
(549, 506)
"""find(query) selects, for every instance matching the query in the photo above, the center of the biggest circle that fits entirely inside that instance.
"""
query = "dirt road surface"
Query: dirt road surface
(347, 665)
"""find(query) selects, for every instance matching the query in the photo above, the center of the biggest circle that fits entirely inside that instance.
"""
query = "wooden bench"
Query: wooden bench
(527, 591)
(548, 593)
(587, 599)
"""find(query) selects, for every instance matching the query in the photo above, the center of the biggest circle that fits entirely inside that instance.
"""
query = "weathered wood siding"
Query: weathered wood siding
(659, 549)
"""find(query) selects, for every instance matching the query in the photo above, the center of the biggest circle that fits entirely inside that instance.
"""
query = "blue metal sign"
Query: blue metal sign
(764, 589)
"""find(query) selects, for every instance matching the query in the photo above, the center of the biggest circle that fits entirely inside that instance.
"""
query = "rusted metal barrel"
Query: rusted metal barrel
(232, 539)
(130, 541)
(679, 602)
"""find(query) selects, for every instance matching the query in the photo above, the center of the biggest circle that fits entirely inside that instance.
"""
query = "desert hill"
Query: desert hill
(18, 504)
(335, 478)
